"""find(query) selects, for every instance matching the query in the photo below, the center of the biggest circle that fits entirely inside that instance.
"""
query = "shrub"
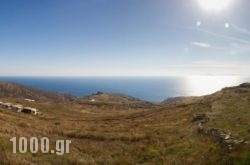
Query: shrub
(245, 160)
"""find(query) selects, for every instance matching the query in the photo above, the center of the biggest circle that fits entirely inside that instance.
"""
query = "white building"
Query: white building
(30, 110)
(7, 105)
(30, 100)
(17, 108)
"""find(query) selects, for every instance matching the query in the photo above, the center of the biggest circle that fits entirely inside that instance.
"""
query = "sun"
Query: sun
(216, 5)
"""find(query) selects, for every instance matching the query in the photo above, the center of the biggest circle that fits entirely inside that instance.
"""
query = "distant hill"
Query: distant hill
(181, 100)
(14, 90)
(19, 91)
(115, 100)
(110, 97)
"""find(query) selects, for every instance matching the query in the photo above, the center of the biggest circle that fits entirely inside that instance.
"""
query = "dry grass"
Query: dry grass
(161, 135)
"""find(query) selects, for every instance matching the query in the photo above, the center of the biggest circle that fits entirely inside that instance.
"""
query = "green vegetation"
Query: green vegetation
(246, 159)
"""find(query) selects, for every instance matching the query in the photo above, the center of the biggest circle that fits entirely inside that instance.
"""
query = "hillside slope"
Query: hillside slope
(212, 129)
(114, 101)
(14, 90)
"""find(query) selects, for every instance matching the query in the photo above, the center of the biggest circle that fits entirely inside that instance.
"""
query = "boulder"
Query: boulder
(200, 117)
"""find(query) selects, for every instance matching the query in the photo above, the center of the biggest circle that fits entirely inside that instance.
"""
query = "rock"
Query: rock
(227, 136)
(238, 141)
(99, 93)
(230, 147)
(225, 139)
(200, 128)
(200, 117)
(229, 141)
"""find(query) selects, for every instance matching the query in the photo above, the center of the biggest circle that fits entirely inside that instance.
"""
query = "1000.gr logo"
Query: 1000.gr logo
(62, 146)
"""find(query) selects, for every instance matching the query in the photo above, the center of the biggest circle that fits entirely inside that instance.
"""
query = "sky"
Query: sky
(124, 38)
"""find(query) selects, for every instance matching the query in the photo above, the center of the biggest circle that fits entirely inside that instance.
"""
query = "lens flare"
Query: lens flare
(216, 5)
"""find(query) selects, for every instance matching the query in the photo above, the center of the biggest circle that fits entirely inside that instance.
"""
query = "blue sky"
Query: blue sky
(123, 38)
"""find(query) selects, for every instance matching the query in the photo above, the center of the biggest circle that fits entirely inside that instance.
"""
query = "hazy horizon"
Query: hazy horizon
(153, 89)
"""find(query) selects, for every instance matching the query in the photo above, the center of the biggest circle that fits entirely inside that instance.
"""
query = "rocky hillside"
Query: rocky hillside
(228, 112)
(224, 118)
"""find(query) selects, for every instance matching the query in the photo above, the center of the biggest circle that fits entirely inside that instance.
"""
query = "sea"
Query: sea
(153, 89)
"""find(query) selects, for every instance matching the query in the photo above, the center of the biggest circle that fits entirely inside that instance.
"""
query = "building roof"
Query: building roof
(18, 106)
(8, 104)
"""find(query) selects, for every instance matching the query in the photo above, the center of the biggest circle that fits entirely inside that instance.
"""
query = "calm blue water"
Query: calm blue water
(153, 89)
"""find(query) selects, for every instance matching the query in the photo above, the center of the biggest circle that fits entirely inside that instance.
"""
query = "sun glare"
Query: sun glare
(216, 5)
(203, 85)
